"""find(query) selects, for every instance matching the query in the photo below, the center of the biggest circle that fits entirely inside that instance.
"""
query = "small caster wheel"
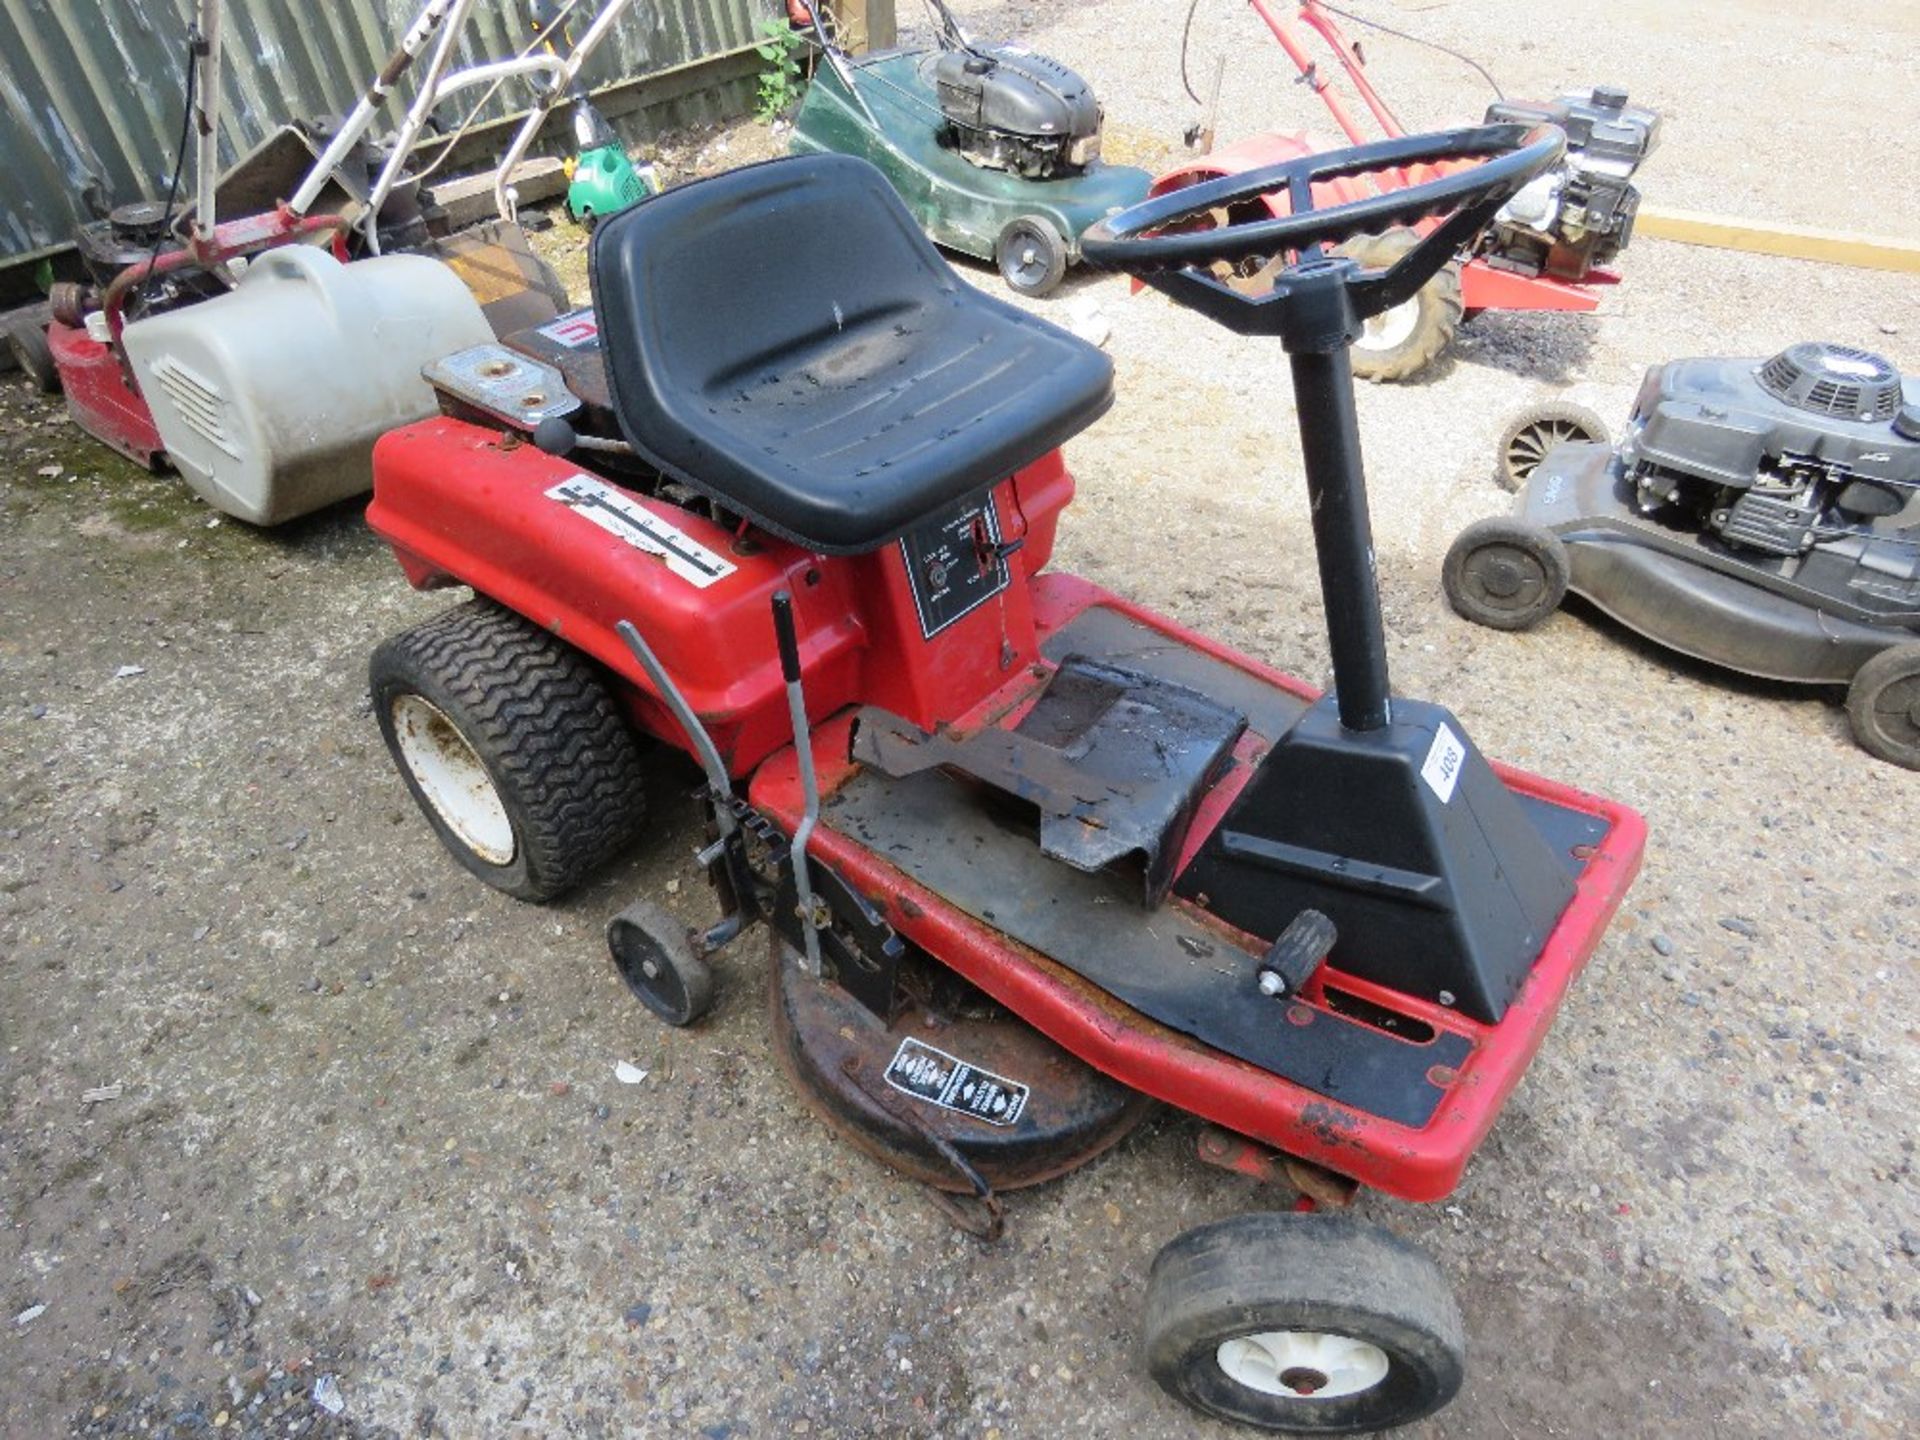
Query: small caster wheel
(27, 342)
(1535, 431)
(1505, 573)
(1311, 1324)
(654, 956)
(1883, 706)
(1031, 254)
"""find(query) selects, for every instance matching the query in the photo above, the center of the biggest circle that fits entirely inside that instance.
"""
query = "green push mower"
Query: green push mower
(995, 150)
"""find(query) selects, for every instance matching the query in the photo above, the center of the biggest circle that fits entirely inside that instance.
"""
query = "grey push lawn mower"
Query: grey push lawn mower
(1763, 515)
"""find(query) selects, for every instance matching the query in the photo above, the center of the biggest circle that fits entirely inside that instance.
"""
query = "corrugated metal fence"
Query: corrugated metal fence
(91, 91)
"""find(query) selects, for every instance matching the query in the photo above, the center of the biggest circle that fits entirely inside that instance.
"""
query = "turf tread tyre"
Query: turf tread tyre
(538, 716)
(1893, 737)
(1438, 317)
(1545, 582)
(1317, 1272)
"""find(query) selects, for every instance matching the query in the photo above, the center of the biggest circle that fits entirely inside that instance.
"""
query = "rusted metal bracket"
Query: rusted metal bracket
(1229, 1151)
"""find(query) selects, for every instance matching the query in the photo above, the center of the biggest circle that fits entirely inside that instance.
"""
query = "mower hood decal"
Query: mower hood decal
(619, 514)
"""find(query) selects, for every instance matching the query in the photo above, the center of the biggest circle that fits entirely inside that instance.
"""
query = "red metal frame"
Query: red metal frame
(1482, 286)
(462, 503)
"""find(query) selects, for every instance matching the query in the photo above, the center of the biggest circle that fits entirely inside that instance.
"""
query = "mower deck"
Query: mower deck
(1684, 590)
(1392, 1091)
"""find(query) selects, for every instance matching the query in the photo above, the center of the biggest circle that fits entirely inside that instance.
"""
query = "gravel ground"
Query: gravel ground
(367, 1124)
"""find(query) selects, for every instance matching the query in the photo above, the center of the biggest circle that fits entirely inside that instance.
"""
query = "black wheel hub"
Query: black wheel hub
(1503, 574)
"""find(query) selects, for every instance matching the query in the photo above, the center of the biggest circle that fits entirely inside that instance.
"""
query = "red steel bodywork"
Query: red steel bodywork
(99, 397)
(1482, 286)
(463, 503)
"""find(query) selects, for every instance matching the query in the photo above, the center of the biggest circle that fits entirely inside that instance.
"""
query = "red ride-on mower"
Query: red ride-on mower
(1548, 248)
(1030, 856)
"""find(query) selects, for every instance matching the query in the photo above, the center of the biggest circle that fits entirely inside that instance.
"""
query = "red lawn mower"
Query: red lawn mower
(1029, 856)
(1546, 249)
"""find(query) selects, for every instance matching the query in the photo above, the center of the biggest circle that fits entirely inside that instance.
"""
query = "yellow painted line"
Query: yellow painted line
(1770, 237)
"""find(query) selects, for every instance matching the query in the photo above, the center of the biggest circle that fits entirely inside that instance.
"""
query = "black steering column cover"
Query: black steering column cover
(784, 339)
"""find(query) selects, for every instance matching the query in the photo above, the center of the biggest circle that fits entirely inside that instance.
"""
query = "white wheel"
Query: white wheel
(451, 778)
(1303, 1364)
(1390, 329)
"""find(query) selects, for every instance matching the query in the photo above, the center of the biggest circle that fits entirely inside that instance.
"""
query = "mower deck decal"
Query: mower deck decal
(641, 528)
(945, 1080)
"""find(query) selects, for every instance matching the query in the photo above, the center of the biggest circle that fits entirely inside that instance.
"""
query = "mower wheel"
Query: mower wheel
(1398, 344)
(511, 745)
(1535, 431)
(1505, 573)
(27, 343)
(1313, 1324)
(1883, 705)
(1031, 254)
(654, 955)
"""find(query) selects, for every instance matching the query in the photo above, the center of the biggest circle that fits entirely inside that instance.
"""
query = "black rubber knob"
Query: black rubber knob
(783, 632)
(554, 436)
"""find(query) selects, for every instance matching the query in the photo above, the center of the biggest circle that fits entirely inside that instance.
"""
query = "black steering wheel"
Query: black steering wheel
(1317, 302)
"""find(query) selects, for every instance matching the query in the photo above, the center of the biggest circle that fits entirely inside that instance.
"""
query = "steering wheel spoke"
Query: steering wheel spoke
(1211, 247)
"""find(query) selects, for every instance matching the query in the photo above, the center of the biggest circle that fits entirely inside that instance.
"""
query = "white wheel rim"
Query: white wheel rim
(1390, 329)
(1302, 1364)
(452, 778)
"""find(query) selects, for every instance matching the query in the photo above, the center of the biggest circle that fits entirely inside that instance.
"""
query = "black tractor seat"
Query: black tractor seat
(785, 340)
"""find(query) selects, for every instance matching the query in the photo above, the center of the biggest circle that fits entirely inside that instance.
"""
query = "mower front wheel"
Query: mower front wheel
(654, 955)
(1310, 1324)
(1505, 573)
(1535, 431)
(511, 745)
(1883, 706)
(1398, 344)
(1032, 255)
(27, 343)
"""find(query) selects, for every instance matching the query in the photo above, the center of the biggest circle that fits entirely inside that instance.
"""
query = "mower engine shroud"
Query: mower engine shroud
(1578, 216)
(1010, 109)
(1818, 446)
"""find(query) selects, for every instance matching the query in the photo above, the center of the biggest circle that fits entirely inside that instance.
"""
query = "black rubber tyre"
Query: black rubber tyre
(1535, 431)
(27, 342)
(512, 747)
(1405, 340)
(1031, 254)
(1883, 706)
(653, 954)
(1240, 1314)
(1505, 573)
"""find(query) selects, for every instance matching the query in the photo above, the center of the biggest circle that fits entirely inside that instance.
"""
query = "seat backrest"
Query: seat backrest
(701, 286)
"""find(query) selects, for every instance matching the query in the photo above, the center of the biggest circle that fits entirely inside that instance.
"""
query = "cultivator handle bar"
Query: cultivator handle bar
(1317, 303)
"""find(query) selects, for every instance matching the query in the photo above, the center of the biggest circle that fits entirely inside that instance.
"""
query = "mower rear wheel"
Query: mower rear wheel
(511, 745)
(27, 342)
(1505, 573)
(1312, 1324)
(1883, 706)
(654, 955)
(1031, 254)
(1535, 431)
(1400, 343)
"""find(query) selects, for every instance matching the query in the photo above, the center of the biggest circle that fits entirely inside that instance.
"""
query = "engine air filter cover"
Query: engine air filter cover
(1836, 380)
